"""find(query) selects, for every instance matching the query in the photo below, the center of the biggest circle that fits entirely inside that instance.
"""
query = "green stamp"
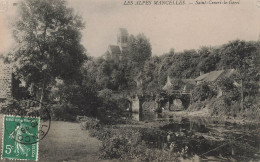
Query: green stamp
(20, 138)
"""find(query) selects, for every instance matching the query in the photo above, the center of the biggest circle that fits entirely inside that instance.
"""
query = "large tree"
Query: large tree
(139, 48)
(48, 35)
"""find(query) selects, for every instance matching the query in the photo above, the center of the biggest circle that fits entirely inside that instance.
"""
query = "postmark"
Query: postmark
(29, 123)
(32, 109)
(19, 138)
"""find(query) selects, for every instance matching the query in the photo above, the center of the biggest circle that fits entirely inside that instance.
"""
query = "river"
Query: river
(203, 138)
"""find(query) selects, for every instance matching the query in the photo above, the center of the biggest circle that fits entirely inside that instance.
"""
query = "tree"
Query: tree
(139, 48)
(240, 55)
(48, 36)
(208, 59)
(151, 74)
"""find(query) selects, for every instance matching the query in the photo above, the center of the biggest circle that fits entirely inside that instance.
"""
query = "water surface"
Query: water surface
(204, 138)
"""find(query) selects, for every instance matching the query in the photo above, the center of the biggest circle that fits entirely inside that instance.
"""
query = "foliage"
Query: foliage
(222, 107)
(48, 37)
(139, 48)
(209, 59)
(237, 54)
(108, 74)
(230, 91)
(66, 112)
(74, 99)
(13, 106)
(128, 144)
(91, 123)
(115, 147)
(198, 105)
(124, 75)
(105, 94)
(202, 92)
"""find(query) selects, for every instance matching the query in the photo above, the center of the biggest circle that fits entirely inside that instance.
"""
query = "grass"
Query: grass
(66, 142)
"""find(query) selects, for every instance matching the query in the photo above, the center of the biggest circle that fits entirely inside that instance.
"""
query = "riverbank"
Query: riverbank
(176, 137)
(204, 113)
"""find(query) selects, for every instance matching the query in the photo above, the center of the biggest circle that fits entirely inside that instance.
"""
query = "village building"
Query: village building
(215, 76)
(115, 52)
(10, 87)
(6, 79)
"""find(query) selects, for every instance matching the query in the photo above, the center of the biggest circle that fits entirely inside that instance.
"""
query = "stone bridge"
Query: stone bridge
(136, 102)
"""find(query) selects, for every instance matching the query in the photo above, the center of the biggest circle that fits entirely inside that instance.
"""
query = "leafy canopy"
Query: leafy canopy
(48, 36)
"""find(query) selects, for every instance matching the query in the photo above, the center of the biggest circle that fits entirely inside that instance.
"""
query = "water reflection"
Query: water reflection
(203, 138)
(148, 116)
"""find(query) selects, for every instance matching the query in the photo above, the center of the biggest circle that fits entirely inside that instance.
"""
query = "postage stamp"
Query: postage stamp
(20, 136)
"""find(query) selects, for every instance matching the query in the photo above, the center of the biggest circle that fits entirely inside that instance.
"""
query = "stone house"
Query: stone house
(215, 76)
(10, 87)
(6, 78)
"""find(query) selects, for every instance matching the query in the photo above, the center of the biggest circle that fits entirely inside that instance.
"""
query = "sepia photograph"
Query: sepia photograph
(130, 80)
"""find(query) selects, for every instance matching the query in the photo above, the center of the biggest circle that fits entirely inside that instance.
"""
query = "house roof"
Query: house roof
(215, 75)
(114, 49)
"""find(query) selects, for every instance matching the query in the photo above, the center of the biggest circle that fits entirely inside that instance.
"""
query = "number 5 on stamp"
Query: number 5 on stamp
(20, 136)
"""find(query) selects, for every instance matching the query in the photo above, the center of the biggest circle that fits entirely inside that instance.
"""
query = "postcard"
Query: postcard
(130, 80)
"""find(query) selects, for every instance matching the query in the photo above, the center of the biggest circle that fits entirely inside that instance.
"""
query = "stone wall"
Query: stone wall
(5, 81)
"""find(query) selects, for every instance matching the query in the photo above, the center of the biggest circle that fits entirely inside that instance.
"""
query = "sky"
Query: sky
(179, 27)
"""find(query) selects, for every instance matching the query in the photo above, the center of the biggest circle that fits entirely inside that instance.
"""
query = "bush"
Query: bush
(127, 144)
(67, 112)
(198, 105)
(73, 99)
(115, 147)
(219, 106)
(91, 123)
(202, 93)
(252, 113)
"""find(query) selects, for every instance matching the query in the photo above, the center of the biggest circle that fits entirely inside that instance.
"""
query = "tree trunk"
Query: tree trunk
(42, 94)
(242, 95)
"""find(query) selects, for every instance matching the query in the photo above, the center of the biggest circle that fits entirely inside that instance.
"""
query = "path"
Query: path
(67, 142)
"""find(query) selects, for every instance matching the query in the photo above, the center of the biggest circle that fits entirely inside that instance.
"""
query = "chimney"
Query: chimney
(201, 73)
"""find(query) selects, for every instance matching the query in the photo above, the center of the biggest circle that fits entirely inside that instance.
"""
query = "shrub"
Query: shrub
(115, 147)
(252, 113)
(219, 106)
(127, 144)
(198, 105)
(67, 112)
(202, 92)
(91, 123)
